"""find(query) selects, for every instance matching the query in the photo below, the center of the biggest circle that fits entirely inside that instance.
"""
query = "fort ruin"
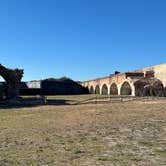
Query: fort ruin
(149, 81)
(13, 78)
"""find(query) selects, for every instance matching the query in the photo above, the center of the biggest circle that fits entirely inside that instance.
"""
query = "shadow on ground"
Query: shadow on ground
(33, 102)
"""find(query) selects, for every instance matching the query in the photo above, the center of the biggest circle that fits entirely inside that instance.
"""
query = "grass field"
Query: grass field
(129, 133)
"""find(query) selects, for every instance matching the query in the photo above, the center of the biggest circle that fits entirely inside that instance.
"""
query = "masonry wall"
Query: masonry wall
(158, 71)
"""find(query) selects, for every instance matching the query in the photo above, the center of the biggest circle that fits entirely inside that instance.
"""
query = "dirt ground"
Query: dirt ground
(121, 134)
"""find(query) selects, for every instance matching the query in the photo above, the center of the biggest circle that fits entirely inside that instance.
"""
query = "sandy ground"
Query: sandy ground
(120, 134)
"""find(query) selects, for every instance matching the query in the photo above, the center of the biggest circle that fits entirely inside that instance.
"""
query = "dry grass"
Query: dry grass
(130, 133)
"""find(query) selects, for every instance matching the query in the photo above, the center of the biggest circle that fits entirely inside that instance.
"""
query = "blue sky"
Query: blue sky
(81, 39)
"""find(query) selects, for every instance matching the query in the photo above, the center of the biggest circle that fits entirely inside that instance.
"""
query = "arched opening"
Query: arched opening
(91, 90)
(13, 79)
(125, 89)
(152, 90)
(114, 89)
(165, 92)
(104, 90)
(97, 90)
(2, 88)
(149, 91)
(149, 87)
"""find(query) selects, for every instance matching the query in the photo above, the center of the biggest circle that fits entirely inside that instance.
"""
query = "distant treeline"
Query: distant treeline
(54, 86)
(62, 86)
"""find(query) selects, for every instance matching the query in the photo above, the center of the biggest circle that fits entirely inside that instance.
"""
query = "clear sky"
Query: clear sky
(81, 39)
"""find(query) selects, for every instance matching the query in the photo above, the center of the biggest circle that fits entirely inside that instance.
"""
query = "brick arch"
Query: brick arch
(104, 89)
(149, 87)
(126, 88)
(97, 89)
(3, 89)
(113, 89)
(91, 90)
(164, 91)
(13, 79)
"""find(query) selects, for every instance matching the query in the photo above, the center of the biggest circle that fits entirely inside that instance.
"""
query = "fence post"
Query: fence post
(45, 99)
